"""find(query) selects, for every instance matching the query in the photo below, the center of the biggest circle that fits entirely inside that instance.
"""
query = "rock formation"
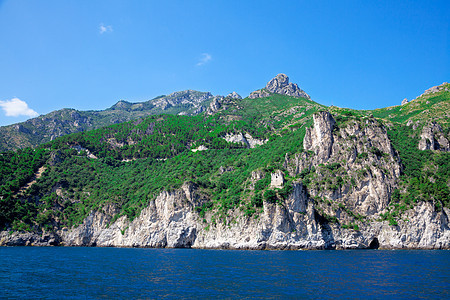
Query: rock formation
(433, 138)
(215, 105)
(319, 139)
(350, 165)
(222, 103)
(245, 139)
(262, 93)
(280, 85)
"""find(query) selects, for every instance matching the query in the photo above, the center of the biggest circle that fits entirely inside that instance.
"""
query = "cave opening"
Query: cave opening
(374, 244)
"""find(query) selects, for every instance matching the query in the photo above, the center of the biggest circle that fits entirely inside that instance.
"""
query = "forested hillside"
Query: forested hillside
(126, 166)
(136, 160)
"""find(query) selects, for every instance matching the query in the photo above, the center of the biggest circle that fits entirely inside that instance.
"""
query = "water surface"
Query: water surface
(79, 273)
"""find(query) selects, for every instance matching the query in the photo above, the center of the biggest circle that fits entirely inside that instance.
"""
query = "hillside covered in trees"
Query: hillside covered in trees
(243, 161)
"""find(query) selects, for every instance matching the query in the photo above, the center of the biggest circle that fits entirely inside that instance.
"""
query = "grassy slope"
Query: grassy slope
(435, 106)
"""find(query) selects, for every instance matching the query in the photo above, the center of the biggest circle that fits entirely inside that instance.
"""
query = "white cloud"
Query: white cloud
(104, 28)
(16, 107)
(206, 57)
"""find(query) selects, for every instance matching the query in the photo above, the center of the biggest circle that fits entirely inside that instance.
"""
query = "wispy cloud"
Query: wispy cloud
(16, 107)
(105, 28)
(206, 57)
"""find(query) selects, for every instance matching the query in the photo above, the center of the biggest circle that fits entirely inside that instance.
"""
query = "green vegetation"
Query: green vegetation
(17, 169)
(137, 160)
(426, 173)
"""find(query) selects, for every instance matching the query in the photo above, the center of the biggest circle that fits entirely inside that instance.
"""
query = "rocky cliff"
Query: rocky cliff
(172, 221)
(339, 194)
(354, 165)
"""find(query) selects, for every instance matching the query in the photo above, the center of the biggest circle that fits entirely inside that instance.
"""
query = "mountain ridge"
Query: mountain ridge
(65, 121)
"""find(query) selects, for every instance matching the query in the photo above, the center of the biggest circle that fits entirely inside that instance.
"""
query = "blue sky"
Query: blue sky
(90, 54)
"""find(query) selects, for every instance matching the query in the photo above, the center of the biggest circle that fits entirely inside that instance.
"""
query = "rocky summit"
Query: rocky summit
(231, 173)
(280, 85)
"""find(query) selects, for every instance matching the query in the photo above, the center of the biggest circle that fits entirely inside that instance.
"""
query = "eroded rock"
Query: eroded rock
(245, 139)
(433, 138)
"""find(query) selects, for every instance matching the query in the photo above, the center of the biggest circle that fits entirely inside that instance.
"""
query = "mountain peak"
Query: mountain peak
(278, 82)
(234, 95)
(280, 85)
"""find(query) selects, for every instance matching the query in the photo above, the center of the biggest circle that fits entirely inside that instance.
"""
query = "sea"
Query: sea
(132, 273)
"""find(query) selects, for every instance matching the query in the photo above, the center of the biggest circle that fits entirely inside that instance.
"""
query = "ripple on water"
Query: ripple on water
(28, 272)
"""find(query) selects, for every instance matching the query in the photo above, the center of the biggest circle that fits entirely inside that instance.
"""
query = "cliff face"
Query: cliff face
(171, 221)
(342, 186)
(433, 138)
(355, 166)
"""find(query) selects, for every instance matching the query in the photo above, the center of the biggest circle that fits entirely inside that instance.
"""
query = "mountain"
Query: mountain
(273, 172)
(65, 121)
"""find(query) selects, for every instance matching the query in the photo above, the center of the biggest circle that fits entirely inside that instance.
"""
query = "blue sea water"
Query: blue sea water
(80, 273)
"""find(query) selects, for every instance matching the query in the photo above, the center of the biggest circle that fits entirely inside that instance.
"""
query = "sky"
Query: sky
(88, 55)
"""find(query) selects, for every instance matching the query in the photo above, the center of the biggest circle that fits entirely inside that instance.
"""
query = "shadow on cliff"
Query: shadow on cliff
(327, 232)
